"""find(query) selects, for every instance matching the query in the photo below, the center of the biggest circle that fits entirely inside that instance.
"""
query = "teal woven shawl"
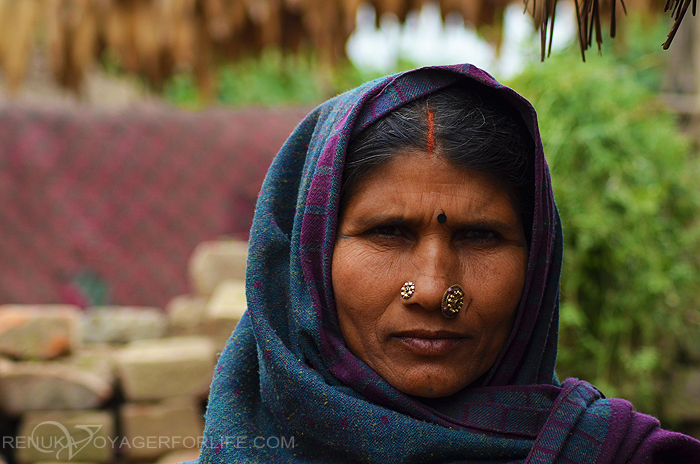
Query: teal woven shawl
(286, 389)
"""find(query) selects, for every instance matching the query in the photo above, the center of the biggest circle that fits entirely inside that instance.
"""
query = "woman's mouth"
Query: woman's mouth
(430, 343)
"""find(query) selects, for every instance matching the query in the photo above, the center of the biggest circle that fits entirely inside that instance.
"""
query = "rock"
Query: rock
(152, 429)
(83, 381)
(223, 311)
(683, 403)
(38, 331)
(166, 368)
(216, 261)
(85, 436)
(186, 315)
(122, 324)
(175, 457)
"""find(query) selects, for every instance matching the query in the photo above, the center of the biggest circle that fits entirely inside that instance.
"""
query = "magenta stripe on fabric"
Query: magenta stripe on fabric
(318, 191)
(327, 158)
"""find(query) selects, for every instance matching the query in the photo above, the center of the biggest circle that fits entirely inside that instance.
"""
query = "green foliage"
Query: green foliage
(638, 46)
(181, 89)
(271, 80)
(623, 179)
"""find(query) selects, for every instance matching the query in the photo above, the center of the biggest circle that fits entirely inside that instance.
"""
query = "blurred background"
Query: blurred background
(131, 131)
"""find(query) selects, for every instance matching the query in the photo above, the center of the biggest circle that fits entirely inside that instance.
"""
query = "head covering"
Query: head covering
(287, 389)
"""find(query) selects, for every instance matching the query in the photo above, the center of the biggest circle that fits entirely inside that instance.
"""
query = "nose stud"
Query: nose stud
(407, 290)
(452, 301)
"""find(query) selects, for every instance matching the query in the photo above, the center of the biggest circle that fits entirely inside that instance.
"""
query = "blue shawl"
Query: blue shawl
(286, 388)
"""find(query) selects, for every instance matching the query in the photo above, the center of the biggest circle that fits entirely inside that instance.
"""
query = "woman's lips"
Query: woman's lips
(430, 343)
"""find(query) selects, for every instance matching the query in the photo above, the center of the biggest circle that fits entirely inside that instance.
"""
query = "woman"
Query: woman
(402, 291)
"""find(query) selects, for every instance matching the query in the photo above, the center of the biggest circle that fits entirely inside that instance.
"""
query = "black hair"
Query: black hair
(472, 127)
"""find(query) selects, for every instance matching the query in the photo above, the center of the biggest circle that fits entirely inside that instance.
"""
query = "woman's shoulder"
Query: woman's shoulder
(611, 431)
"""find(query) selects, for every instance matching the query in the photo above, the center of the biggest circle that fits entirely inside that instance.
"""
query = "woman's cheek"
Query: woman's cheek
(363, 261)
(362, 282)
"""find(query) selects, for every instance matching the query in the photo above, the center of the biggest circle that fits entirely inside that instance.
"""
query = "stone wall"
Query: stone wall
(113, 383)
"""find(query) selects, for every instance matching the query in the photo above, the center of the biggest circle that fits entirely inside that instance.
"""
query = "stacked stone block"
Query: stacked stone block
(118, 384)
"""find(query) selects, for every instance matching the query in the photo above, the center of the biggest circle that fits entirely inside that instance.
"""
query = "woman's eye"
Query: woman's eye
(479, 235)
(387, 231)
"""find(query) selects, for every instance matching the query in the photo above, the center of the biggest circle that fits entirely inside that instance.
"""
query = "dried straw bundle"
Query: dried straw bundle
(157, 37)
(588, 17)
(18, 20)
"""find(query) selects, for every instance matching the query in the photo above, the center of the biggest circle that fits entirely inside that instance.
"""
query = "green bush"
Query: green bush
(271, 80)
(624, 182)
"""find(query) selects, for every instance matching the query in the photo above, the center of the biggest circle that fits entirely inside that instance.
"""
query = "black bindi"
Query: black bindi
(442, 218)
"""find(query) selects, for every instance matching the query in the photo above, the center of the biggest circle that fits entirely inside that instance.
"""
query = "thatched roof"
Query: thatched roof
(158, 37)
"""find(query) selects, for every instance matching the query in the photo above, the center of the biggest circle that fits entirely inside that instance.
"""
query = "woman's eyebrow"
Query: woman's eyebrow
(384, 220)
(400, 220)
(364, 223)
(495, 224)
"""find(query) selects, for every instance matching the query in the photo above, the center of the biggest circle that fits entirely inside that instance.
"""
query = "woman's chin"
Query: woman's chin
(431, 391)
(431, 385)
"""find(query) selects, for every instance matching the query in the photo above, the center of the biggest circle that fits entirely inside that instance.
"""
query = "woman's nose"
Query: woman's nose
(436, 268)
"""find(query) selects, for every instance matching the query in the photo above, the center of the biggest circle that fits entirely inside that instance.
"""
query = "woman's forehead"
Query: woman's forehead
(417, 184)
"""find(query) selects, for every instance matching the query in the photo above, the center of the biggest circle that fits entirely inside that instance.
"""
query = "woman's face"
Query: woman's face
(389, 233)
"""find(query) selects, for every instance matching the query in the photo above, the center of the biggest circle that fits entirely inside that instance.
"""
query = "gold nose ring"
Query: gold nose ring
(452, 301)
(407, 290)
